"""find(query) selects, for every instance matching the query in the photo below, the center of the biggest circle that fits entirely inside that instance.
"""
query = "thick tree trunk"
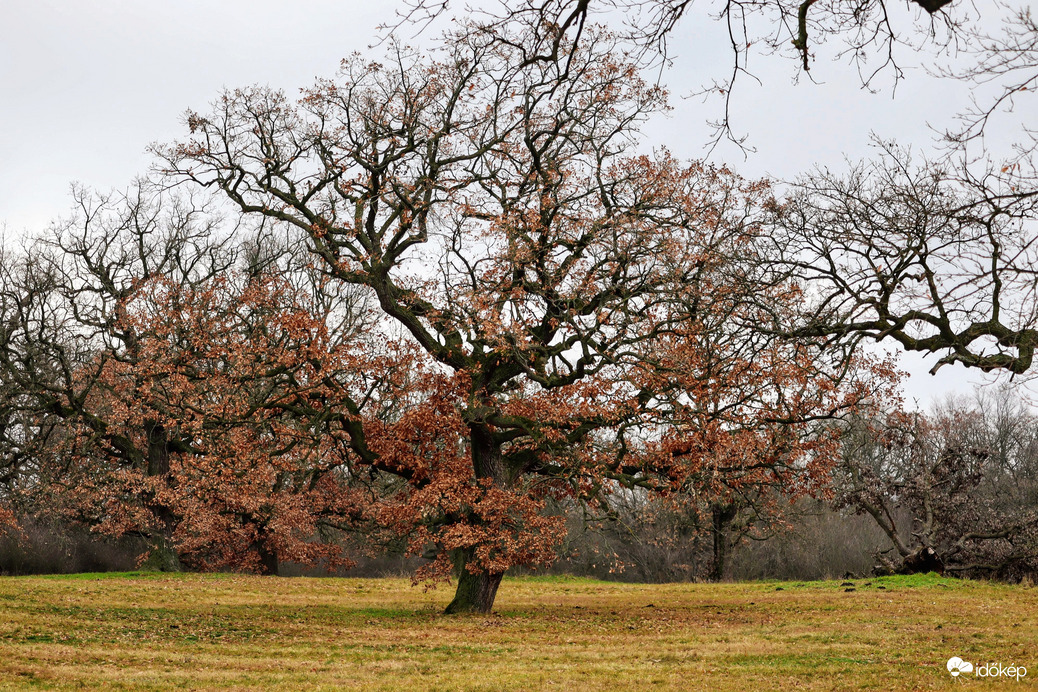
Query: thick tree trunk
(921, 561)
(162, 555)
(721, 521)
(268, 559)
(476, 592)
(158, 449)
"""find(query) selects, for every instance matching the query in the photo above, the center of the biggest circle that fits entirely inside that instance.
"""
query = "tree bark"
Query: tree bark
(268, 559)
(722, 516)
(476, 591)
(922, 560)
(158, 449)
(162, 555)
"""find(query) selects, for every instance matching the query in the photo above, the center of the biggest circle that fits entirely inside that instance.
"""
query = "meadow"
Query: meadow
(145, 631)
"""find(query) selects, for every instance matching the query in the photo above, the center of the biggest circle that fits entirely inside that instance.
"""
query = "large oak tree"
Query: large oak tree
(584, 299)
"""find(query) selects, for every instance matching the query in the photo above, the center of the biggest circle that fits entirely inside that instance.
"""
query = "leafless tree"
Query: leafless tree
(939, 256)
(876, 37)
(1003, 66)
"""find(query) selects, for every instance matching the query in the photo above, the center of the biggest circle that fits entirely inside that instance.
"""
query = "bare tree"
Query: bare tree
(780, 25)
(1004, 68)
(875, 37)
(938, 256)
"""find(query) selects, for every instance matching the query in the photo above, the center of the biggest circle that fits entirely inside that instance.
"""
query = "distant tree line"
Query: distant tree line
(953, 491)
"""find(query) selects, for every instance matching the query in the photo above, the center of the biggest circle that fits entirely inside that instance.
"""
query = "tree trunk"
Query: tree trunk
(268, 559)
(162, 555)
(158, 449)
(476, 592)
(722, 516)
(921, 561)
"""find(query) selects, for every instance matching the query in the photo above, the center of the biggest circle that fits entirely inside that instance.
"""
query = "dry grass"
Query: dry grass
(143, 631)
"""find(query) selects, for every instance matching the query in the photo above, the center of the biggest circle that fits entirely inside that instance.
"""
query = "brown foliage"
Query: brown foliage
(595, 313)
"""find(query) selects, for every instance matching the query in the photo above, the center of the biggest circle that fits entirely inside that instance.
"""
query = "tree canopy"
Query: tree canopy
(584, 299)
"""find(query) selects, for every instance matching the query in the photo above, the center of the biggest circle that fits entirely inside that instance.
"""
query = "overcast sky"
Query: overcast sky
(85, 87)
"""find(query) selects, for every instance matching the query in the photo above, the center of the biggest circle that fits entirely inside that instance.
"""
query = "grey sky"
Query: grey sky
(87, 85)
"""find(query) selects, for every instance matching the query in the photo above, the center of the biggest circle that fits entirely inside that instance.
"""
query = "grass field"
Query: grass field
(148, 631)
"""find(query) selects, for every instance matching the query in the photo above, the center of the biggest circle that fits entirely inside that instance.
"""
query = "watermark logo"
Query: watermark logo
(957, 666)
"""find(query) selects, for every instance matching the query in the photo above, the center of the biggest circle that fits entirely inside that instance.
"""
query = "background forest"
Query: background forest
(755, 535)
